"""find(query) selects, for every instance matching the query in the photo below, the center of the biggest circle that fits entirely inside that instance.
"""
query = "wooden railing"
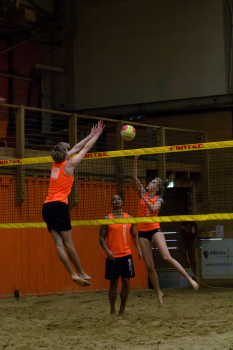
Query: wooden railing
(20, 151)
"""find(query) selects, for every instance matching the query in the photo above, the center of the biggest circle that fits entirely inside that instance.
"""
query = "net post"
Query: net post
(206, 193)
(73, 140)
(119, 162)
(20, 148)
(193, 199)
(161, 157)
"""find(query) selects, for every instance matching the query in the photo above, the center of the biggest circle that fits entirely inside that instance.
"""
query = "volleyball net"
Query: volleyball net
(199, 185)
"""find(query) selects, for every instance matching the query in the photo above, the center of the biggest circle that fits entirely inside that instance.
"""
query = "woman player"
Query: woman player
(56, 210)
(150, 205)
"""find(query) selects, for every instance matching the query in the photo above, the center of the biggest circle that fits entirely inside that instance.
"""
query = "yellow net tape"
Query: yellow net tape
(177, 218)
(125, 153)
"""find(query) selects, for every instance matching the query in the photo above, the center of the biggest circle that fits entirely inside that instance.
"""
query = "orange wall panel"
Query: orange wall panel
(7, 268)
(28, 258)
(32, 261)
(25, 264)
(29, 262)
(36, 190)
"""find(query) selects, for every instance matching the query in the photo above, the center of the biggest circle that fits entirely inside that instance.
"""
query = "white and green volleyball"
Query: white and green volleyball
(128, 132)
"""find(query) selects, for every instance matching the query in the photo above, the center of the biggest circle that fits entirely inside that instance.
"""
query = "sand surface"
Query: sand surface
(188, 320)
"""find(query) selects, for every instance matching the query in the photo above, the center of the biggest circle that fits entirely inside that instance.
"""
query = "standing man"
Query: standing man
(119, 258)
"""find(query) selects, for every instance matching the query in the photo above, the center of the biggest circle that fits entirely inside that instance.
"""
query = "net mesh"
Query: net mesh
(200, 183)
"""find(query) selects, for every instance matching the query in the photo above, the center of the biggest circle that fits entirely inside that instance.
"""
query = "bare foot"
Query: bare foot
(80, 281)
(84, 276)
(194, 284)
(121, 312)
(113, 313)
(160, 298)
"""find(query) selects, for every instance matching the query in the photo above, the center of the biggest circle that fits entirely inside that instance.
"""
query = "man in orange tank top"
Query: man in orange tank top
(119, 258)
(149, 206)
(55, 209)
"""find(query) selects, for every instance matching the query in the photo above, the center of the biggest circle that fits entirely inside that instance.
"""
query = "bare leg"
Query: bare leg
(64, 259)
(145, 245)
(160, 242)
(124, 294)
(112, 294)
(73, 255)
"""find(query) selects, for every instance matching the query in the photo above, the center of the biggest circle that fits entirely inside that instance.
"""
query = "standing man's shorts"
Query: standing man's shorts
(122, 266)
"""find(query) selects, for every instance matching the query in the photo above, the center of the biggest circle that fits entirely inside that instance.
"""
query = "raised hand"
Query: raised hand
(2, 99)
(136, 157)
(93, 131)
(100, 127)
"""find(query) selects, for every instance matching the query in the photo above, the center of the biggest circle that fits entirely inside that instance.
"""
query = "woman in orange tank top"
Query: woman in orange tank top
(149, 206)
(56, 210)
(119, 261)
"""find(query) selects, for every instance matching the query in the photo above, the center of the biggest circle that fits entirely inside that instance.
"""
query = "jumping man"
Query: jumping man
(56, 210)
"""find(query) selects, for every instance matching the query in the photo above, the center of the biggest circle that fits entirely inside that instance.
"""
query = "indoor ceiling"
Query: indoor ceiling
(16, 17)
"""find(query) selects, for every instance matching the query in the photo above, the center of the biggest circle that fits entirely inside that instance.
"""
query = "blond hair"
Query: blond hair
(60, 151)
(160, 185)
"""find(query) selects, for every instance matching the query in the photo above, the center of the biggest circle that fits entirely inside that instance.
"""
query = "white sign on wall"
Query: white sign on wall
(217, 259)
(220, 231)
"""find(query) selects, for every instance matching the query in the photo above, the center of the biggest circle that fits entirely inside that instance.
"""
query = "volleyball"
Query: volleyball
(128, 133)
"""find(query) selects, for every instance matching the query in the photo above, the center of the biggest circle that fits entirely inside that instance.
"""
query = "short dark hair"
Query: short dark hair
(114, 196)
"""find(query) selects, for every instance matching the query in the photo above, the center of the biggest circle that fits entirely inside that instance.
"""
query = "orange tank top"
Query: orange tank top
(144, 211)
(60, 184)
(118, 238)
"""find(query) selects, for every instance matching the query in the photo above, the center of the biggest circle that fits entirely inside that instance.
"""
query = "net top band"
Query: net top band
(126, 153)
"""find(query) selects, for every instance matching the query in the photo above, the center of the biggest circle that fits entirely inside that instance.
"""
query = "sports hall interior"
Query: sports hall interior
(164, 68)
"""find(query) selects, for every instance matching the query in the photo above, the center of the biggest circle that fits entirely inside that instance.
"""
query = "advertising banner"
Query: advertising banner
(217, 259)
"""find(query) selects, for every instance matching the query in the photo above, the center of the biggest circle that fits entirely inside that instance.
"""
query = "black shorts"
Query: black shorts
(148, 234)
(57, 216)
(122, 266)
